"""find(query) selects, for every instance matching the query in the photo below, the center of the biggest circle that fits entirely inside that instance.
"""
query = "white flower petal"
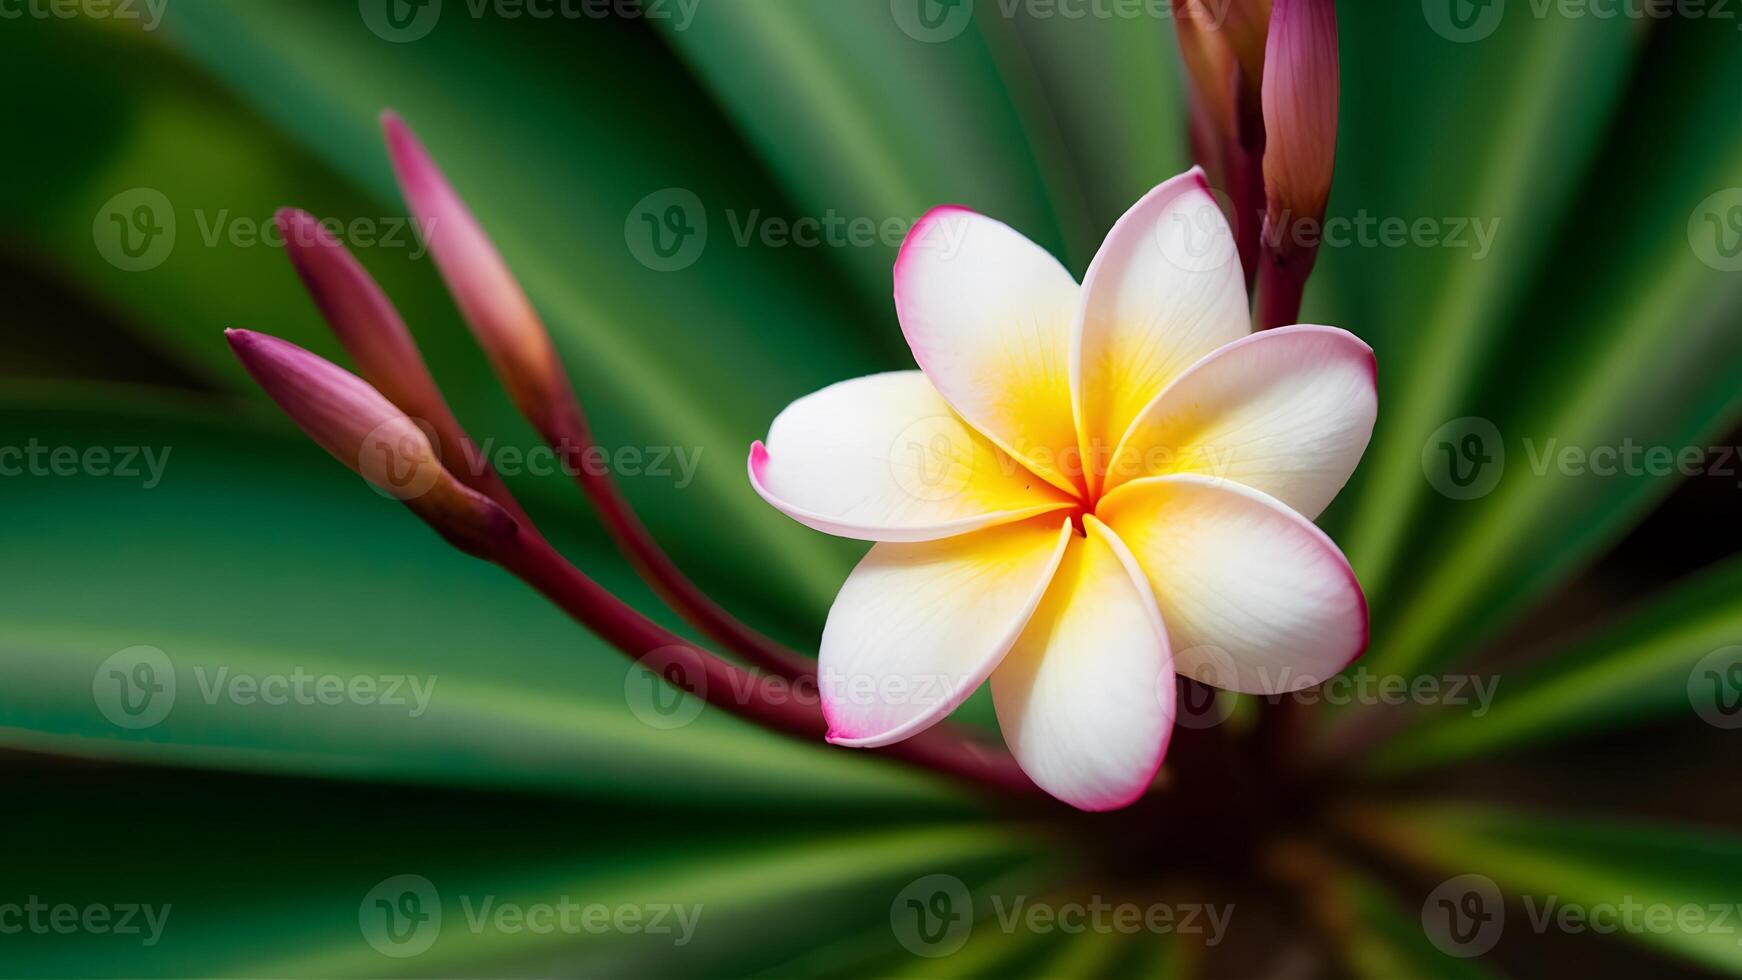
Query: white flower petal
(1287, 411)
(989, 315)
(1246, 586)
(1164, 290)
(1086, 696)
(917, 627)
(884, 458)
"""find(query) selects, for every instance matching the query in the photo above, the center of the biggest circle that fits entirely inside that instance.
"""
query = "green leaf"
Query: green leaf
(860, 119)
(1621, 674)
(1640, 352)
(1540, 857)
(354, 589)
(1528, 123)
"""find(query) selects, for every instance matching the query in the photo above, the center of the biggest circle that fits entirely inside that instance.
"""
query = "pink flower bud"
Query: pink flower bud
(1300, 117)
(368, 434)
(489, 297)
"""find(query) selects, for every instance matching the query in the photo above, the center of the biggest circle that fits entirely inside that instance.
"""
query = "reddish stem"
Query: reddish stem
(566, 430)
(771, 702)
(1280, 288)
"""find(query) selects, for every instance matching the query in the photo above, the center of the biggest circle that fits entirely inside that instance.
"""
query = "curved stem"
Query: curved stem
(767, 701)
(1279, 291)
(566, 430)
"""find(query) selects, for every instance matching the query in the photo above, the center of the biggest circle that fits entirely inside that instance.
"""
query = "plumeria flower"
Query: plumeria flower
(1083, 490)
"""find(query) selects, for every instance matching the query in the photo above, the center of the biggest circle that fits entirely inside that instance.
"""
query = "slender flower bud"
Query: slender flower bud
(1246, 24)
(1211, 64)
(373, 333)
(490, 298)
(1300, 119)
(371, 436)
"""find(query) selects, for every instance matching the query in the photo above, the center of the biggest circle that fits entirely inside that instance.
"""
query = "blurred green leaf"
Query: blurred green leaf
(1526, 125)
(1623, 673)
(1640, 350)
(1541, 857)
(516, 694)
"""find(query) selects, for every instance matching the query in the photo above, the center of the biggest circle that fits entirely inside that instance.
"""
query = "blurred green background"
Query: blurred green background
(1603, 153)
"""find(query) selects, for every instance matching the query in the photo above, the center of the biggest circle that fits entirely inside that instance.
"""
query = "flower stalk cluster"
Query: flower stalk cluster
(1265, 82)
(393, 427)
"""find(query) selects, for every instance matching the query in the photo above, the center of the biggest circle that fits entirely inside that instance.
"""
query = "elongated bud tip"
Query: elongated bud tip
(489, 297)
(361, 316)
(1301, 81)
(363, 430)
